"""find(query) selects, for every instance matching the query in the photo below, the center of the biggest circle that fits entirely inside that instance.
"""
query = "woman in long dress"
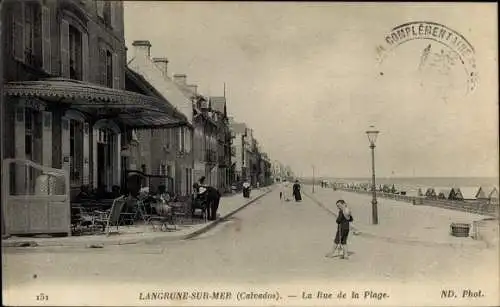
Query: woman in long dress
(296, 191)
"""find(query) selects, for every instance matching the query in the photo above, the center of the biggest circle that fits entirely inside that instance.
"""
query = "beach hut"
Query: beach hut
(445, 193)
(469, 193)
(456, 194)
(493, 196)
(430, 193)
(484, 193)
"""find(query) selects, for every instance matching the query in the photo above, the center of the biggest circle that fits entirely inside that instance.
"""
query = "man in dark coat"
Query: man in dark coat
(211, 197)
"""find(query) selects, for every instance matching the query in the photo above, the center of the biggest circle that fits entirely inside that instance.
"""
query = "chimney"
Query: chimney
(142, 49)
(180, 79)
(193, 88)
(162, 64)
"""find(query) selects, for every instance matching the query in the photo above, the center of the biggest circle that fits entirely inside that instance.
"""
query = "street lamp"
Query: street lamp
(313, 178)
(372, 137)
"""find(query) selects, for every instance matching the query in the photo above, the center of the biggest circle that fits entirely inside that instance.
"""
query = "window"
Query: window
(106, 66)
(107, 13)
(32, 37)
(109, 69)
(75, 53)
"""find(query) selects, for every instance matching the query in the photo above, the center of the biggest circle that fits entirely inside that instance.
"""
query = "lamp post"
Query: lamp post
(313, 179)
(372, 137)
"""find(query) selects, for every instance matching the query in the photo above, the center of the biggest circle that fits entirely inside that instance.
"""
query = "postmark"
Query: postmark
(445, 49)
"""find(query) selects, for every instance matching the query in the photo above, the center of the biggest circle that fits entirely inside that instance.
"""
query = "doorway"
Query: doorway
(104, 159)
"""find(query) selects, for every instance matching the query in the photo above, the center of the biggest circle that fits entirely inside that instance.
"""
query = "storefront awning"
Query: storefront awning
(133, 109)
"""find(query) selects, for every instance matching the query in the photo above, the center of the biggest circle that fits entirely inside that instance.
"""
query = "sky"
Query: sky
(305, 77)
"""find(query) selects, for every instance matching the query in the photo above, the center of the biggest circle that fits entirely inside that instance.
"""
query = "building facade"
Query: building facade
(64, 79)
(170, 148)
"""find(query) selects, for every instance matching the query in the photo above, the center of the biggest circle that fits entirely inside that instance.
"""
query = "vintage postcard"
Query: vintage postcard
(160, 153)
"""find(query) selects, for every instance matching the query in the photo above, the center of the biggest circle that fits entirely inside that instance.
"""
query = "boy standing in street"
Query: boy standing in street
(344, 217)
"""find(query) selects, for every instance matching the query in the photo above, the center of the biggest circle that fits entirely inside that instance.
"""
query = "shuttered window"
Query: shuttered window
(65, 64)
(85, 57)
(18, 31)
(102, 66)
(116, 71)
(75, 53)
(109, 69)
(113, 14)
(46, 36)
(100, 8)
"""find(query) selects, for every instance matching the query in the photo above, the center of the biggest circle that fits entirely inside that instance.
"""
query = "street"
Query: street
(268, 242)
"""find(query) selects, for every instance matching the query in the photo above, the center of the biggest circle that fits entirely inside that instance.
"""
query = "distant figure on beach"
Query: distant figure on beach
(343, 219)
(296, 191)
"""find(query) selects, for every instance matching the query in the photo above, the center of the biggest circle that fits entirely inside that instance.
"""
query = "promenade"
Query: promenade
(401, 221)
(228, 206)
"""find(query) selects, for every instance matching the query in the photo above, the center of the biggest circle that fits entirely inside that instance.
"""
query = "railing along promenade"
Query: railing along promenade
(483, 207)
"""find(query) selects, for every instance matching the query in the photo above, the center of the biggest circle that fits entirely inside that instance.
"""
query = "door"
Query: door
(101, 165)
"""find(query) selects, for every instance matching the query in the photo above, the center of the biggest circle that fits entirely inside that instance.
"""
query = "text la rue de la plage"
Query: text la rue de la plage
(261, 296)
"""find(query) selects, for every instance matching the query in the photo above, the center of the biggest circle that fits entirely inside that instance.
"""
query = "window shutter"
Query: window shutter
(102, 66)
(46, 35)
(114, 10)
(100, 8)
(85, 57)
(18, 31)
(65, 49)
(180, 139)
(116, 71)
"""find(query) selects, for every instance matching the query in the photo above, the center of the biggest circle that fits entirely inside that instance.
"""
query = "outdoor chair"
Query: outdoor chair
(164, 217)
(106, 219)
(199, 204)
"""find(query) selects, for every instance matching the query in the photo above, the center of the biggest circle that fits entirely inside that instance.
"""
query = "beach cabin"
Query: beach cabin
(456, 194)
(493, 196)
(445, 193)
(484, 193)
(430, 193)
(469, 193)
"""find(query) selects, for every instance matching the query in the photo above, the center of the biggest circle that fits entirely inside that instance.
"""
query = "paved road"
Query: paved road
(268, 242)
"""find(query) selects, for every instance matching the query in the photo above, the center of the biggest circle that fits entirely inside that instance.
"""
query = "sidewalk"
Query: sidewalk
(399, 221)
(228, 206)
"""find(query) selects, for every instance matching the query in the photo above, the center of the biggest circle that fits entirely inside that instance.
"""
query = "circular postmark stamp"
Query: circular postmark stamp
(444, 50)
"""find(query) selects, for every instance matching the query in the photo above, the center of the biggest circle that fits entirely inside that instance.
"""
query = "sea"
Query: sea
(422, 182)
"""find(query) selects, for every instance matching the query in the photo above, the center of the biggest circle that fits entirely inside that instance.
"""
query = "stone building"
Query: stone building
(64, 80)
(167, 150)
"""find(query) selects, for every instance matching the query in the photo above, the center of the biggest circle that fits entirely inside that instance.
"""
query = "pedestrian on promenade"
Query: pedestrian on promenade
(284, 190)
(296, 191)
(343, 219)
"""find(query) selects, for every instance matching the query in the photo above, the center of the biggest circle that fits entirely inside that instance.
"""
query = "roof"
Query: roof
(469, 192)
(238, 127)
(218, 104)
(133, 109)
(151, 90)
(445, 191)
(486, 191)
(164, 84)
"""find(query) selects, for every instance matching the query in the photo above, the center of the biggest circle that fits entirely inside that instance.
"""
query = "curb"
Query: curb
(222, 218)
(358, 232)
(156, 239)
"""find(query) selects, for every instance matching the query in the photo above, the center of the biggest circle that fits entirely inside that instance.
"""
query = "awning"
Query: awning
(133, 109)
